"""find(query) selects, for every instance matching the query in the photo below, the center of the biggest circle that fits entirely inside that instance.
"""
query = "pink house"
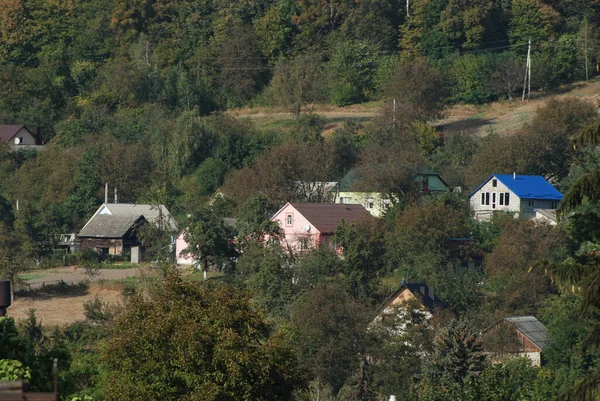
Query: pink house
(306, 226)
(181, 246)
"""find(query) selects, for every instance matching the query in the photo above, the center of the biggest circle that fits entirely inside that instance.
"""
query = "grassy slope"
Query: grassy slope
(502, 117)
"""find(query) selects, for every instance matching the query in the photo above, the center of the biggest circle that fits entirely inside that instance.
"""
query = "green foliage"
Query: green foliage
(210, 240)
(471, 73)
(198, 343)
(13, 370)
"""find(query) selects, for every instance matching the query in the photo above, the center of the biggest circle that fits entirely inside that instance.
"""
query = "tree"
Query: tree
(582, 271)
(269, 276)
(197, 343)
(419, 91)
(508, 76)
(420, 242)
(241, 66)
(516, 268)
(363, 263)
(295, 80)
(210, 240)
(329, 326)
(457, 360)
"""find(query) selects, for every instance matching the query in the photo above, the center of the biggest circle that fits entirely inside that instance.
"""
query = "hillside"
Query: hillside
(500, 117)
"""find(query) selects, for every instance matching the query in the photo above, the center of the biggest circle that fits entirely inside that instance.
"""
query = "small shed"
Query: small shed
(111, 234)
(517, 336)
(17, 135)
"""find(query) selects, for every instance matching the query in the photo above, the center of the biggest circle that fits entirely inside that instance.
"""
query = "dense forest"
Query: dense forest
(139, 94)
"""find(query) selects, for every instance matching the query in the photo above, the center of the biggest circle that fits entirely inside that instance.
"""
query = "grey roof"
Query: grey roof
(531, 328)
(109, 226)
(150, 212)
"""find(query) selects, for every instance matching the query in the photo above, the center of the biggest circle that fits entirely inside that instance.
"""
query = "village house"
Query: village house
(516, 336)
(306, 226)
(113, 235)
(530, 196)
(17, 136)
(113, 229)
(394, 312)
(377, 203)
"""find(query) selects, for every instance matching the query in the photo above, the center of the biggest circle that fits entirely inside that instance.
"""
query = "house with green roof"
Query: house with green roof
(352, 190)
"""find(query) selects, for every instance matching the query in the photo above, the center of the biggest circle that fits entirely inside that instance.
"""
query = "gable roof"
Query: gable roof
(422, 291)
(326, 217)
(348, 181)
(110, 226)
(7, 132)
(525, 186)
(531, 328)
(151, 213)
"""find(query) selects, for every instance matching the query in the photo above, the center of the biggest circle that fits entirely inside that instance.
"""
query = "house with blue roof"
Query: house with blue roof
(531, 196)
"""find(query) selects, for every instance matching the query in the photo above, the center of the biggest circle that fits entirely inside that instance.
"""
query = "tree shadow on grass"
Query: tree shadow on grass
(58, 289)
(468, 124)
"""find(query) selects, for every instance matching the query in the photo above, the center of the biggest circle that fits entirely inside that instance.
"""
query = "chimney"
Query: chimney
(514, 175)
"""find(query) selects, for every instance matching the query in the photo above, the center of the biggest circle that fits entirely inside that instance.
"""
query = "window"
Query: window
(274, 241)
(344, 199)
(370, 204)
(483, 198)
(553, 204)
(494, 182)
(501, 199)
(303, 244)
(289, 219)
(507, 198)
(487, 198)
(494, 200)
(531, 202)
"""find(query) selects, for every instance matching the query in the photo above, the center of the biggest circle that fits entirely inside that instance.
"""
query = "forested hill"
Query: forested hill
(67, 60)
(128, 92)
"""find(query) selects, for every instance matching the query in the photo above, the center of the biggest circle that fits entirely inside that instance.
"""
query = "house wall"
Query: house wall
(528, 211)
(435, 183)
(374, 202)
(27, 138)
(296, 236)
(180, 246)
(114, 246)
(484, 212)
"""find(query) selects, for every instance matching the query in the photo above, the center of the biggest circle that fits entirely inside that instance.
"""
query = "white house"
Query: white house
(531, 196)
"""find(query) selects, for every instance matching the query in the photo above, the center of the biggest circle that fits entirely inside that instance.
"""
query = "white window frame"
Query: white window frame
(289, 219)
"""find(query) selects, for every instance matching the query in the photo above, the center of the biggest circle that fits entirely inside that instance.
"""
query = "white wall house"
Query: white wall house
(530, 196)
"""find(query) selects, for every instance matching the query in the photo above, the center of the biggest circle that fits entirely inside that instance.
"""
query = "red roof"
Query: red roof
(326, 217)
(7, 132)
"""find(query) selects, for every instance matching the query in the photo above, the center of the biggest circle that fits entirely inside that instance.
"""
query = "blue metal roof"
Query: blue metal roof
(526, 186)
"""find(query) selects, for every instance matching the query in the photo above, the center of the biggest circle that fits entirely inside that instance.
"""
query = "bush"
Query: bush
(98, 311)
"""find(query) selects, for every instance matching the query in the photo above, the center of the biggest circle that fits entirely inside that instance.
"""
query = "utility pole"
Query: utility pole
(527, 80)
(585, 49)
(394, 113)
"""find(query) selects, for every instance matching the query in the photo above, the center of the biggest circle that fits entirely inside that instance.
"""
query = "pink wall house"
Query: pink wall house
(306, 226)
(180, 246)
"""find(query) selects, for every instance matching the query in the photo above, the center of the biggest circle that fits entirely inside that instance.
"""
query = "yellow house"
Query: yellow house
(378, 203)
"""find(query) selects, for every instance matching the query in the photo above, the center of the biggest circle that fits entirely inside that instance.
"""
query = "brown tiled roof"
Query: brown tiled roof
(8, 131)
(326, 217)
